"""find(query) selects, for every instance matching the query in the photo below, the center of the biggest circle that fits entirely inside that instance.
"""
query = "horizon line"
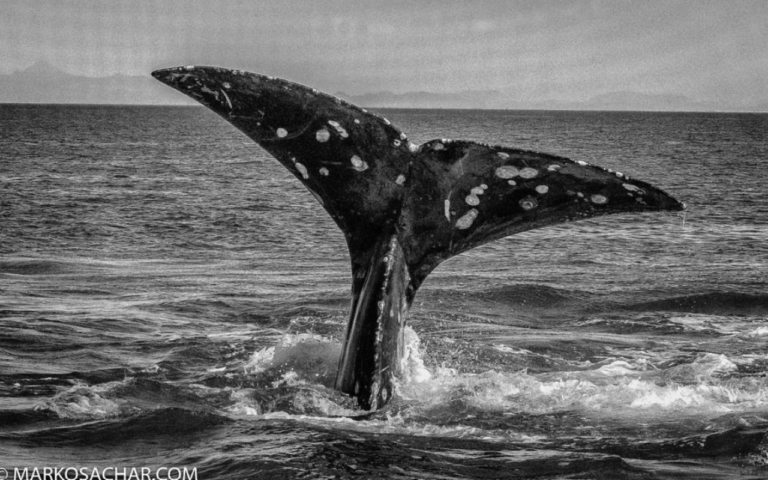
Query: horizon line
(594, 110)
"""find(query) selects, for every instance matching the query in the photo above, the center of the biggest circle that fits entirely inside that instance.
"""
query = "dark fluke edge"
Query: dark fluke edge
(403, 208)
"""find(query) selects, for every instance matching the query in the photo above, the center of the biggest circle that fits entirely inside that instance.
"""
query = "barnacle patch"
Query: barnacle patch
(358, 163)
(528, 203)
(466, 220)
(633, 188)
(507, 171)
(322, 135)
(339, 129)
(303, 170)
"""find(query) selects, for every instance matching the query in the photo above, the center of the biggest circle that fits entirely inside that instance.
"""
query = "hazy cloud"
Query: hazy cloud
(708, 50)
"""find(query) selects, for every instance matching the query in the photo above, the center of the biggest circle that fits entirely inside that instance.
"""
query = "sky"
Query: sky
(543, 49)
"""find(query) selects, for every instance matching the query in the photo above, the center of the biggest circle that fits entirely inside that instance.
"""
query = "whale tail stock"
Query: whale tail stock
(403, 208)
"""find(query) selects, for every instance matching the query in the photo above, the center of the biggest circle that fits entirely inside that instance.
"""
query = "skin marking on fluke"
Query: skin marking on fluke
(403, 208)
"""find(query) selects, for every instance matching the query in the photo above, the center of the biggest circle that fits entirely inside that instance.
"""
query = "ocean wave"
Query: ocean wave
(312, 356)
(719, 303)
(34, 267)
(534, 296)
(11, 420)
(160, 424)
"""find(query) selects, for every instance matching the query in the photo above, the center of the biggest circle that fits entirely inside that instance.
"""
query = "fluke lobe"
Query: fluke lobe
(403, 208)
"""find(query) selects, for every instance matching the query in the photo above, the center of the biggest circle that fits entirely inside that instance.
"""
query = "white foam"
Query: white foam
(413, 363)
(244, 403)
(617, 389)
(260, 360)
(759, 332)
(616, 368)
(630, 389)
(704, 368)
(83, 402)
(702, 322)
(296, 348)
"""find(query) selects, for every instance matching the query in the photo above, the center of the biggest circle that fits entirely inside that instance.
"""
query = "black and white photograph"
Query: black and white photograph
(336, 239)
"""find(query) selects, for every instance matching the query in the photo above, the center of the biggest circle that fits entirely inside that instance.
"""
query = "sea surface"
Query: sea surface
(171, 296)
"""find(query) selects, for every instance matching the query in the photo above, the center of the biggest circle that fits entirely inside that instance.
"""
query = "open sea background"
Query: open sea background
(171, 296)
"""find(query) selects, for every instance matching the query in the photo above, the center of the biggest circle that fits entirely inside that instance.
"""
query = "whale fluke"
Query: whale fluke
(403, 208)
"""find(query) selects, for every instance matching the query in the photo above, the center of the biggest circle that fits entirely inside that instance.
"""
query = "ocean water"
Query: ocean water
(170, 296)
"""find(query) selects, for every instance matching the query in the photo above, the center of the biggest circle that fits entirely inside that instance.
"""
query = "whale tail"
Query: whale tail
(403, 208)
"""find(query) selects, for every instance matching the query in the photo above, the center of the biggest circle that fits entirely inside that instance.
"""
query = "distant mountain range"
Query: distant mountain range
(43, 83)
(626, 101)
